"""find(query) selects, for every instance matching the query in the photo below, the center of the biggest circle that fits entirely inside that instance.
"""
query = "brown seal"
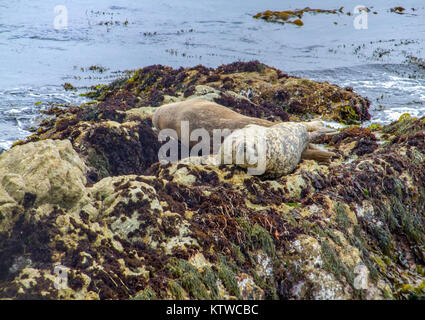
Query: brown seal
(201, 113)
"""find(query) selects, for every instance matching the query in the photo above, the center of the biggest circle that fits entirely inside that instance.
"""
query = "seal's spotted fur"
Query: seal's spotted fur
(283, 146)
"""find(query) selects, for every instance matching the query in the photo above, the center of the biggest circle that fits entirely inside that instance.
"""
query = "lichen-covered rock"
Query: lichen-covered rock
(49, 171)
(108, 147)
(138, 229)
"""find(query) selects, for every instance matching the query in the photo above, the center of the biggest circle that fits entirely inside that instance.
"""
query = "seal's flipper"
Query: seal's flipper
(317, 135)
(316, 125)
(317, 129)
(312, 152)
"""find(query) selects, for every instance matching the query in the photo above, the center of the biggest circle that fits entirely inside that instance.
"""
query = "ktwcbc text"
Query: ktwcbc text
(214, 309)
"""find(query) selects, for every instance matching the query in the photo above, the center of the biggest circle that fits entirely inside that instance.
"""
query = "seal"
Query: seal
(269, 151)
(252, 143)
(200, 113)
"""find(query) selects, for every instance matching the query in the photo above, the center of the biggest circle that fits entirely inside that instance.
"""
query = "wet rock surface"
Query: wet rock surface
(86, 194)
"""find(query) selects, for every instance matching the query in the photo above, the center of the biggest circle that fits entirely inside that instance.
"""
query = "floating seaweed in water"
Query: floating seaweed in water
(292, 16)
(399, 10)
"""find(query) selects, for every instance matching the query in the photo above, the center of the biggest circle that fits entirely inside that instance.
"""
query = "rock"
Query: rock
(10, 210)
(138, 229)
(115, 136)
(140, 113)
(48, 171)
(249, 290)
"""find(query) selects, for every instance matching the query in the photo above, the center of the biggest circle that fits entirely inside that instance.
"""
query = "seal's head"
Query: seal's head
(270, 152)
(246, 148)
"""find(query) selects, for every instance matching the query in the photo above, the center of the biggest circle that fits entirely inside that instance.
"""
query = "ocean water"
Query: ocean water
(36, 58)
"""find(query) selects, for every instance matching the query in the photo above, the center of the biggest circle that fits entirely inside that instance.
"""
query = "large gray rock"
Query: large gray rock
(48, 171)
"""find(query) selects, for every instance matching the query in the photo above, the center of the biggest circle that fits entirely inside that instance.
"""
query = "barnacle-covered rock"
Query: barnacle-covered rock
(88, 212)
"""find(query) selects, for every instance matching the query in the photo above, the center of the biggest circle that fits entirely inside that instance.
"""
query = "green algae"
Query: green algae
(413, 292)
(260, 238)
(99, 161)
(176, 289)
(333, 264)
(209, 278)
(188, 278)
(405, 125)
(294, 204)
(375, 126)
(200, 285)
(360, 242)
(348, 115)
(97, 92)
(237, 253)
(193, 284)
(267, 285)
(383, 237)
(147, 294)
(342, 217)
(228, 278)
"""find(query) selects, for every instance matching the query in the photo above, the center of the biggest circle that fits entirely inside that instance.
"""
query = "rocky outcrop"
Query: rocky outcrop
(85, 197)
(115, 136)
(46, 172)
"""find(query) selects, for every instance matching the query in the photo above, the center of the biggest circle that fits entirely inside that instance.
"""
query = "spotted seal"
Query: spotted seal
(270, 151)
